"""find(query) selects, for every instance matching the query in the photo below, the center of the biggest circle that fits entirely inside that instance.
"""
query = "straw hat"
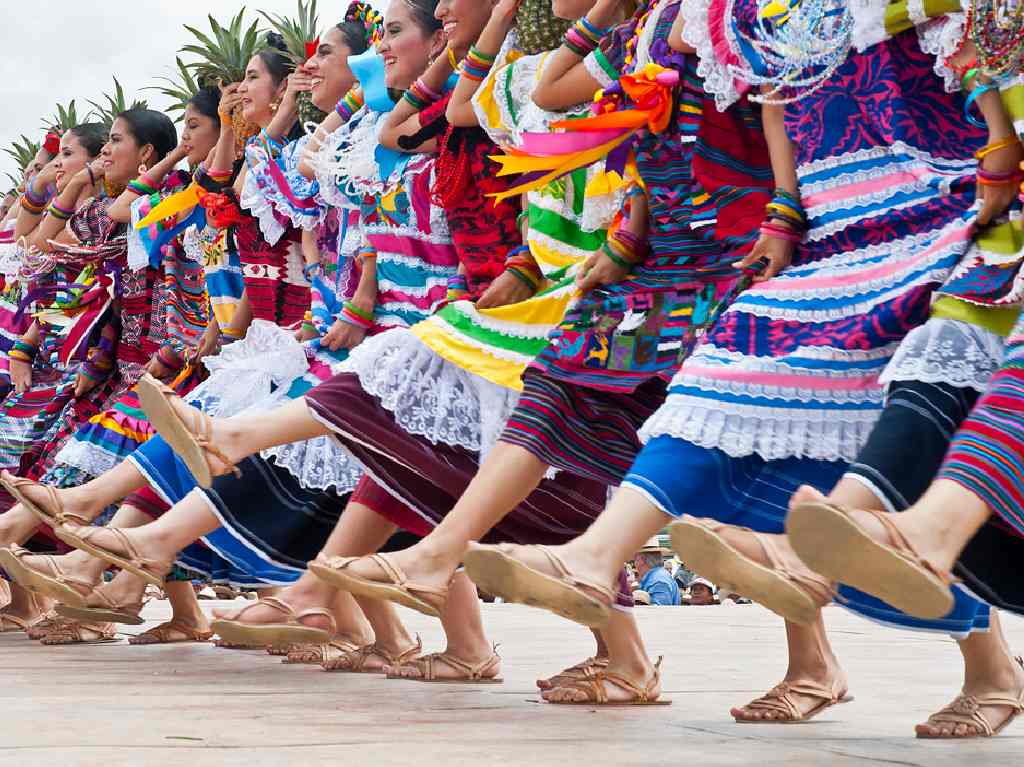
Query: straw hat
(653, 546)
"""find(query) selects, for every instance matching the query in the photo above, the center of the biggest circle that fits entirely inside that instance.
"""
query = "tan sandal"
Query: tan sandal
(597, 693)
(5, 594)
(780, 700)
(587, 669)
(9, 624)
(355, 662)
(470, 673)
(55, 584)
(55, 516)
(796, 595)
(282, 650)
(43, 624)
(81, 633)
(831, 542)
(497, 571)
(318, 654)
(397, 589)
(966, 709)
(150, 570)
(191, 441)
(287, 633)
(171, 632)
(109, 612)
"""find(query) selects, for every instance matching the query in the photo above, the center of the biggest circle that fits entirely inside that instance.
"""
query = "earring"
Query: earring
(274, 106)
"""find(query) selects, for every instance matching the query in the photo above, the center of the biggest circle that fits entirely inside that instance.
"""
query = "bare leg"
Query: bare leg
(26, 605)
(90, 499)
(506, 477)
(17, 525)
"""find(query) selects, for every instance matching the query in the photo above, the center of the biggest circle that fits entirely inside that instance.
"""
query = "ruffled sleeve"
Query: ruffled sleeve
(709, 29)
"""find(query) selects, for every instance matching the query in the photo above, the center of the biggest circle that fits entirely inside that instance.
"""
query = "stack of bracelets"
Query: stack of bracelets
(62, 214)
(100, 362)
(353, 315)
(350, 103)
(785, 217)
(623, 248)
(989, 178)
(218, 176)
(522, 266)
(476, 65)
(420, 95)
(33, 203)
(458, 287)
(23, 351)
(980, 87)
(169, 358)
(143, 186)
(583, 38)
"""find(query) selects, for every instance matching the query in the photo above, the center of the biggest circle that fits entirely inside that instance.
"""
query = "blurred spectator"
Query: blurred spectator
(656, 586)
(702, 592)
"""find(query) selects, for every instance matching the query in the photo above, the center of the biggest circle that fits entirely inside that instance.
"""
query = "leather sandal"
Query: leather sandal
(318, 654)
(107, 612)
(81, 633)
(583, 670)
(828, 539)
(10, 624)
(397, 588)
(172, 632)
(288, 632)
(55, 584)
(597, 694)
(780, 700)
(150, 570)
(51, 512)
(428, 670)
(5, 594)
(43, 624)
(796, 595)
(497, 571)
(355, 662)
(187, 430)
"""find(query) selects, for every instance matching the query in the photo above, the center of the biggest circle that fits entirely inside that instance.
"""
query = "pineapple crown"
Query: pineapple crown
(538, 28)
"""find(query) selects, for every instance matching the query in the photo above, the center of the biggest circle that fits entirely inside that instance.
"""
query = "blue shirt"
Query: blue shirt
(659, 584)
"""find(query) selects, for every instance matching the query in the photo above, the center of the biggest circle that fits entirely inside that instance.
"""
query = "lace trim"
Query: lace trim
(875, 153)
(868, 23)
(87, 457)
(318, 464)
(594, 68)
(823, 434)
(941, 38)
(253, 200)
(10, 259)
(949, 352)
(429, 396)
(348, 160)
(712, 58)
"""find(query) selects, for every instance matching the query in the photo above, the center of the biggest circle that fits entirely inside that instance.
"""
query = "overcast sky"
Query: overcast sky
(58, 50)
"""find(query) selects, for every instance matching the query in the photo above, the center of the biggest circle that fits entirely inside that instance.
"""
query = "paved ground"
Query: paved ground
(197, 705)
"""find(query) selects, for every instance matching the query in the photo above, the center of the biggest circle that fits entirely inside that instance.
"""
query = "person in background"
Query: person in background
(656, 586)
(702, 592)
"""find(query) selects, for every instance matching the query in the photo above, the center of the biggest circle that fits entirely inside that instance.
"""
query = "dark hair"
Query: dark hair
(355, 37)
(92, 136)
(207, 103)
(423, 15)
(275, 58)
(149, 127)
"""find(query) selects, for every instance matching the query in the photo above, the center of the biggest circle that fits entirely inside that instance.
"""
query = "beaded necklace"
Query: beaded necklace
(998, 35)
(795, 46)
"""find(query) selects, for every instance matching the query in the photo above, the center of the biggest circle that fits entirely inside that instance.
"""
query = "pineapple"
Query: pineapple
(297, 33)
(222, 61)
(180, 91)
(65, 118)
(106, 113)
(22, 152)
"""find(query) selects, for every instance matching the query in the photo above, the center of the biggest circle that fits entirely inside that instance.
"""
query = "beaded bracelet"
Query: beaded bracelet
(141, 188)
(353, 315)
(781, 233)
(350, 103)
(476, 65)
(58, 212)
(995, 146)
(30, 207)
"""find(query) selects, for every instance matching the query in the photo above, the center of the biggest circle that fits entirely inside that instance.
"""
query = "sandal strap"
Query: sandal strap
(779, 699)
(400, 579)
(819, 588)
(61, 516)
(57, 574)
(471, 672)
(162, 633)
(288, 611)
(132, 554)
(597, 692)
(967, 709)
(900, 543)
(564, 574)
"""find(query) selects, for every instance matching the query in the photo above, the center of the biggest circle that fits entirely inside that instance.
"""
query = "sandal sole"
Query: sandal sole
(169, 426)
(831, 544)
(38, 583)
(497, 680)
(501, 575)
(819, 709)
(267, 635)
(372, 589)
(21, 498)
(99, 615)
(5, 594)
(711, 556)
(610, 704)
(107, 556)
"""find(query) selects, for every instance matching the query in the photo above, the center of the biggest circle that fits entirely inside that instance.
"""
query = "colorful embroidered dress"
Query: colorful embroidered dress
(784, 391)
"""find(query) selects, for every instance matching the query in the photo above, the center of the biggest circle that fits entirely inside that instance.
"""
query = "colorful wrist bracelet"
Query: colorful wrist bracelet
(995, 146)
(349, 316)
(973, 96)
(169, 358)
(781, 233)
(58, 212)
(458, 283)
(350, 103)
(141, 188)
(523, 277)
(355, 310)
(30, 207)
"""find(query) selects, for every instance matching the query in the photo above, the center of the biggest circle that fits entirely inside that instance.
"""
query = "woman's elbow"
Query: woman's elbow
(543, 97)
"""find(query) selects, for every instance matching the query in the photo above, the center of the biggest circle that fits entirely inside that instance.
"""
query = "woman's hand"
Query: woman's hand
(597, 271)
(83, 385)
(343, 335)
(21, 375)
(504, 11)
(159, 370)
(774, 252)
(87, 179)
(299, 81)
(230, 100)
(995, 199)
(506, 289)
(305, 333)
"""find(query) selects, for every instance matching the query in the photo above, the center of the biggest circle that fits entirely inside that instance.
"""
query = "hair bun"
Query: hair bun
(276, 40)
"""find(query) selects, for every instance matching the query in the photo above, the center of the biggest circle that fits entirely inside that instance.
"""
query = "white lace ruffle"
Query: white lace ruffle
(949, 352)
(595, 70)
(10, 259)
(772, 433)
(318, 464)
(430, 396)
(941, 38)
(255, 201)
(87, 457)
(192, 243)
(248, 371)
(347, 160)
(868, 23)
(714, 72)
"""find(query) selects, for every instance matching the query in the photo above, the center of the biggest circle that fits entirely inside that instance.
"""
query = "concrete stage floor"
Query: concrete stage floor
(196, 705)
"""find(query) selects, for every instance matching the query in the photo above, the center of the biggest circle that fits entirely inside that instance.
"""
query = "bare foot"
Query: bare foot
(646, 678)
(373, 659)
(807, 494)
(421, 572)
(62, 505)
(172, 632)
(260, 614)
(794, 699)
(960, 718)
